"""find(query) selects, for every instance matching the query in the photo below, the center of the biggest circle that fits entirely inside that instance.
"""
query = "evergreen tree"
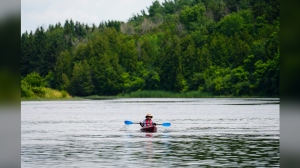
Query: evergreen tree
(81, 81)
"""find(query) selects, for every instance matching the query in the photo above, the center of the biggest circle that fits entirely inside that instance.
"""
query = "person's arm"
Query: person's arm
(141, 124)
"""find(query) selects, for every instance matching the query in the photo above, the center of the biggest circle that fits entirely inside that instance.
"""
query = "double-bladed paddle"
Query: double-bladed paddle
(165, 124)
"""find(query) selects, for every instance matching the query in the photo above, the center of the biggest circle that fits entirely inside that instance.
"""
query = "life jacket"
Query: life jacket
(148, 123)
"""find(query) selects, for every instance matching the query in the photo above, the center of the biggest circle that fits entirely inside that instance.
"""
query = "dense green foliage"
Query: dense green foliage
(33, 86)
(221, 47)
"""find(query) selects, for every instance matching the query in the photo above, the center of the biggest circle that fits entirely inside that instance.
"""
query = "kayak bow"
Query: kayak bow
(149, 129)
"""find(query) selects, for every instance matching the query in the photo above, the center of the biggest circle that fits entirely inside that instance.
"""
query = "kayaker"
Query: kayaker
(148, 121)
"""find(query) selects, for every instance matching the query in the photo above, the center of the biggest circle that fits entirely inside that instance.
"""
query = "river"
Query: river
(215, 132)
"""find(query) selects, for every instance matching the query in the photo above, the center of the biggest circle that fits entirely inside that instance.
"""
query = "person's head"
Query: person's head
(149, 116)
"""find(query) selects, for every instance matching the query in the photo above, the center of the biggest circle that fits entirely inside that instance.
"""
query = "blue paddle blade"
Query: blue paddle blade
(127, 122)
(166, 124)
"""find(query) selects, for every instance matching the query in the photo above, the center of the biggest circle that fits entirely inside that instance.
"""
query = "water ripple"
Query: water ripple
(93, 134)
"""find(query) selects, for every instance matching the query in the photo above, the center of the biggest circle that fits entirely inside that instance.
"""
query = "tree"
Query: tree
(219, 50)
(152, 80)
(193, 17)
(34, 80)
(240, 81)
(81, 82)
(62, 71)
(216, 9)
(27, 48)
(171, 66)
(267, 76)
(128, 55)
(39, 52)
(155, 8)
(190, 59)
(231, 24)
(79, 29)
(54, 46)
(106, 74)
(148, 49)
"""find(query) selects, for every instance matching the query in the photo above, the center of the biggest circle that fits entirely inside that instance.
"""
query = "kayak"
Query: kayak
(149, 129)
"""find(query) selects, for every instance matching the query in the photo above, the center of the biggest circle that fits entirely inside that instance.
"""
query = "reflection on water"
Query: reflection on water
(230, 151)
(204, 132)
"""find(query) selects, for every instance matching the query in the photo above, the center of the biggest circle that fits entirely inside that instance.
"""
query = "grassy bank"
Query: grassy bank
(50, 99)
(97, 97)
(52, 95)
(44, 93)
(165, 94)
(191, 94)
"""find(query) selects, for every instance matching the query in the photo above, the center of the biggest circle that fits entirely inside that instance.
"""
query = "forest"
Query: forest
(221, 47)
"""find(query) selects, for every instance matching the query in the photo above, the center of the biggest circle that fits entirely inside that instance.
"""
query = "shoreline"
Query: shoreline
(147, 94)
(116, 97)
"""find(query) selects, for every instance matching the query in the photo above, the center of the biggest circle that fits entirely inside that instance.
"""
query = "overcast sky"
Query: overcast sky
(36, 13)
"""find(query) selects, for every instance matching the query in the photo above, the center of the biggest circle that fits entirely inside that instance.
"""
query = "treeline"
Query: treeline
(228, 47)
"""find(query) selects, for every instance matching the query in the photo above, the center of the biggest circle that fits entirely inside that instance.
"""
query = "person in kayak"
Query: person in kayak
(148, 121)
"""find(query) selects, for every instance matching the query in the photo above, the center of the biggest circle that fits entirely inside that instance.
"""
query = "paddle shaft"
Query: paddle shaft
(127, 122)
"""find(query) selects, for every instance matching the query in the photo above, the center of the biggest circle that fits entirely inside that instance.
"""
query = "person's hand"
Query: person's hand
(154, 124)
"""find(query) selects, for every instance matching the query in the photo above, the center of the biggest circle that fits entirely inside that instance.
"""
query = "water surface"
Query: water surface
(204, 132)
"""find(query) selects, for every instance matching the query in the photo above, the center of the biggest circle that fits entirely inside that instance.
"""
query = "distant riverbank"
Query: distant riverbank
(143, 94)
